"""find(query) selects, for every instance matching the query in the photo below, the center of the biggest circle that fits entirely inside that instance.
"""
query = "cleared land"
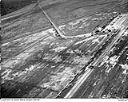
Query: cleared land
(36, 63)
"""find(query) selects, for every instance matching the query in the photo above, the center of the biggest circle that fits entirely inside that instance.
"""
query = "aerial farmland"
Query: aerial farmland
(65, 49)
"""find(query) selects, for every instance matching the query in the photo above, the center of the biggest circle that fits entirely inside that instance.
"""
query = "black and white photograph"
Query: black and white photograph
(64, 49)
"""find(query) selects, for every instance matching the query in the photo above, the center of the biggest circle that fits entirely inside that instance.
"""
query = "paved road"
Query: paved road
(37, 57)
(89, 71)
(108, 48)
